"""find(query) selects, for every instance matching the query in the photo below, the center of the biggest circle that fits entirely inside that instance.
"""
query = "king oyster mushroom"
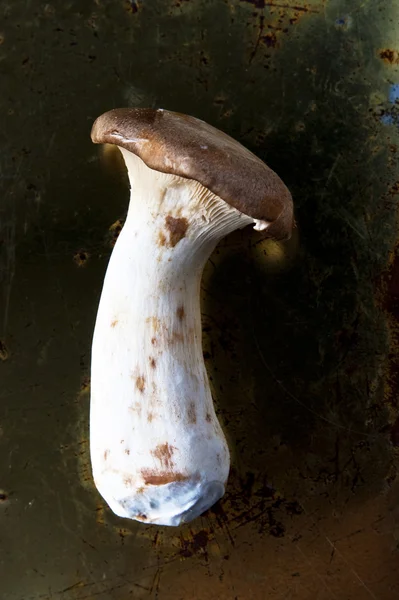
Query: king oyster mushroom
(158, 452)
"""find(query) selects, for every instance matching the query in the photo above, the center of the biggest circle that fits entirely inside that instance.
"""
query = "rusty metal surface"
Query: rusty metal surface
(300, 339)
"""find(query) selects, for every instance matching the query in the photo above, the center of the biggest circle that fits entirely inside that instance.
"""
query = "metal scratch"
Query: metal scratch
(255, 50)
(352, 570)
(315, 571)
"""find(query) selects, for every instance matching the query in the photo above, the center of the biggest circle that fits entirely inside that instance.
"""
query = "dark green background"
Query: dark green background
(301, 352)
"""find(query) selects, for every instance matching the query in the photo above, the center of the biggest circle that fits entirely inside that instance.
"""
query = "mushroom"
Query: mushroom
(158, 452)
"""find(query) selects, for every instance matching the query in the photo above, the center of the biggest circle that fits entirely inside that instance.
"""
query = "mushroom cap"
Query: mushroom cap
(182, 145)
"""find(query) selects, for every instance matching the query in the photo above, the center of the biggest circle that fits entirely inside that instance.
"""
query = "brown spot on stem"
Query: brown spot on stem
(180, 313)
(154, 323)
(175, 337)
(164, 453)
(136, 408)
(153, 362)
(157, 478)
(141, 517)
(114, 323)
(161, 239)
(150, 417)
(177, 229)
(128, 481)
(106, 454)
(140, 383)
(191, 413)
(154, 341)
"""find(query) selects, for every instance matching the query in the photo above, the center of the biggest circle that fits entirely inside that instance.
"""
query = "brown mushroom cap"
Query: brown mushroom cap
(181, 145)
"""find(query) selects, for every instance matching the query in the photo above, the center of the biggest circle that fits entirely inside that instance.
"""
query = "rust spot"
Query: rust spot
(394, 189)
(150, 417)
(200, 540)
(115, 230)
(154, 341)
(114, 323)
(257, 3)
(85, 385)
(395, 433)
(81, 257)
(140, 490)
(106, 454)
(127, 451)
(128, 481)
(177, 229)
(131, 6)
(263, 3)
(4, 354)
(164, 453)
(100, 514)
(140, 383)
(180, 313)
(195, 544)
(390, 56)
(153, 362)
(208, 417)
(191, 414)
(270, 40)
(157, 478)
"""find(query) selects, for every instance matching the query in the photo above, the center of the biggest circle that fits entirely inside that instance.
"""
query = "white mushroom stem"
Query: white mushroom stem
(158, 452)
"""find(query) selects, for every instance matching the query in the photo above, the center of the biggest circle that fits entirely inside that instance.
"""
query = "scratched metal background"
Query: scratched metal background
(300, 340)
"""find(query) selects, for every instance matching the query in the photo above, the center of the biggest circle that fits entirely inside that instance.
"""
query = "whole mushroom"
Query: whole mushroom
(158, 452)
